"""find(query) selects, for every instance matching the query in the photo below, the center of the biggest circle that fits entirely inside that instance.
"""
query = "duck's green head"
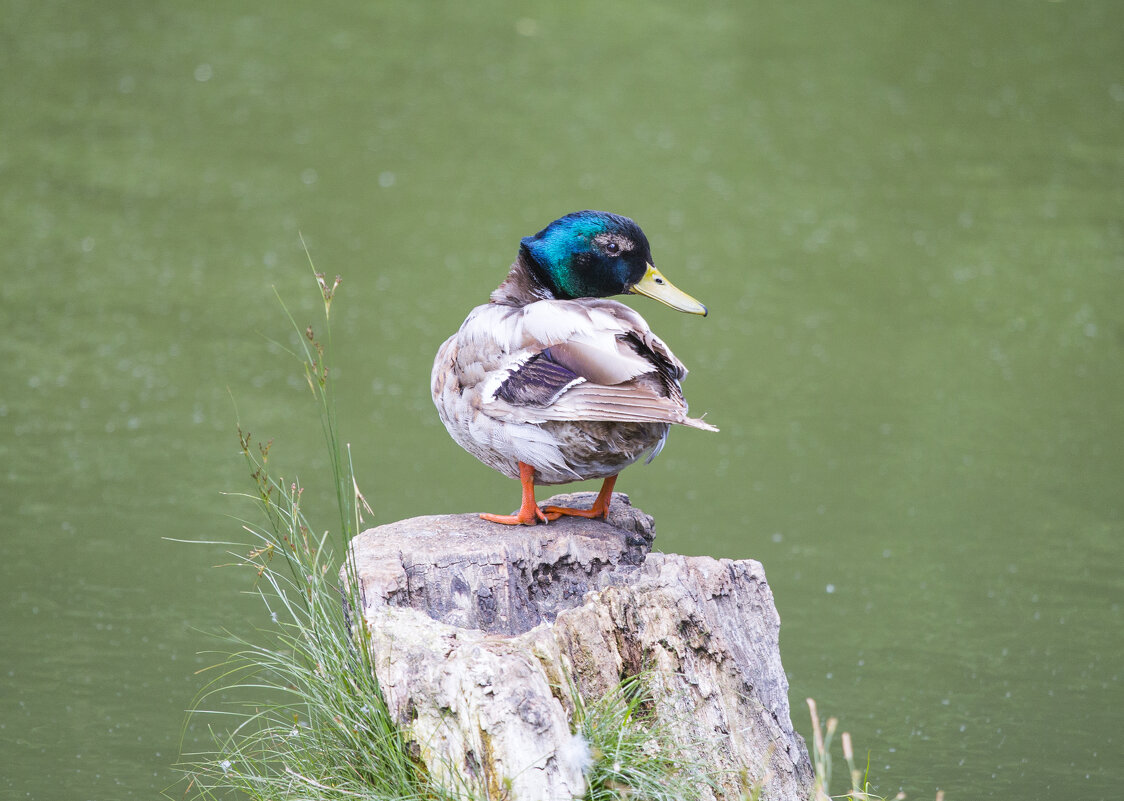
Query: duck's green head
(594, 254)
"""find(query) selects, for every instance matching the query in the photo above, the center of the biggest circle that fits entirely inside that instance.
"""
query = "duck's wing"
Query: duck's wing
(590, 360)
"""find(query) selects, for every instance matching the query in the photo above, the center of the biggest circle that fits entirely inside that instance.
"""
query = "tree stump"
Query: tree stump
(479, 631)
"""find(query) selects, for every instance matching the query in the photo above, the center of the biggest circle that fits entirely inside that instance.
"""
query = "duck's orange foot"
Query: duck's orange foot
(600, 508)
(523, 517)
(555, 512)
(529, 513)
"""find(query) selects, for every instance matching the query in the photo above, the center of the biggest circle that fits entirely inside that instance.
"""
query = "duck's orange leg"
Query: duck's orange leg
(600, 506)
(529, 513)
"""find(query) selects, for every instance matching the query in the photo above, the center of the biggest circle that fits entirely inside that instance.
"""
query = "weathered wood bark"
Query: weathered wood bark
(479, 630)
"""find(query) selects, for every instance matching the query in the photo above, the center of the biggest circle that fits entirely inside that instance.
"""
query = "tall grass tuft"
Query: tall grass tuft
(633, 755)
(296, 711)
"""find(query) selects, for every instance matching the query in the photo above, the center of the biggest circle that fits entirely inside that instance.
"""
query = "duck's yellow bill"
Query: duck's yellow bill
(656, 287)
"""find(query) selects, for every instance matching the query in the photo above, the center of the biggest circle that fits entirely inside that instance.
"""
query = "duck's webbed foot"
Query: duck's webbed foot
(523, 517)
(529, 513)
(600, 508)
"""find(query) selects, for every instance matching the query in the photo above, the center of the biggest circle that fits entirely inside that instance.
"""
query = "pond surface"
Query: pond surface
(908, 223)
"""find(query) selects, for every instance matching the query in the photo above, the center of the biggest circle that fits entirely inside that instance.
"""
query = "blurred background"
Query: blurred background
(907, 221)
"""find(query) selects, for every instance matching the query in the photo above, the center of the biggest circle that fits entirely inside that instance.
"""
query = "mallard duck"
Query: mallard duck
(551, 382)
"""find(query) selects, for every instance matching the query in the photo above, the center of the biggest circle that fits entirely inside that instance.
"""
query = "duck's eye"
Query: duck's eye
(612, 248)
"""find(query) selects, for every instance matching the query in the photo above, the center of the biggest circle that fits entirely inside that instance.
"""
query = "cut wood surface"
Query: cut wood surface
(479, 632)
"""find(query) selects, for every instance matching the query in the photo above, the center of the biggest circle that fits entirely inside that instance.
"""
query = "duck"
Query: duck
(552, 381)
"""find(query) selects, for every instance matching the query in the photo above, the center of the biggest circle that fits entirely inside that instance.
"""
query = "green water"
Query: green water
(908, 223)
